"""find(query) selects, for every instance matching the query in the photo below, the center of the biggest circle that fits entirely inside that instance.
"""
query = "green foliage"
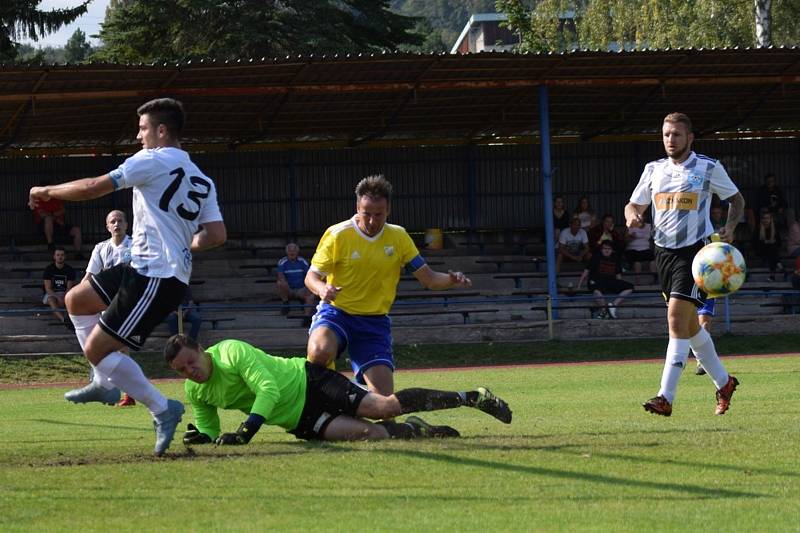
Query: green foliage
(185, 29)
(441, 21)
(22, 18)
(580, 455)
(77, 48)
(640, 24)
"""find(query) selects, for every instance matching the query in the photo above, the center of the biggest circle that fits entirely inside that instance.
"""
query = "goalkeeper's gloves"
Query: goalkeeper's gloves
(245, 432)
(193, 436)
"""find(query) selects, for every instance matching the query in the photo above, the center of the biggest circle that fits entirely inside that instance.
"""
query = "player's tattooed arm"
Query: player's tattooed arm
(735, 212)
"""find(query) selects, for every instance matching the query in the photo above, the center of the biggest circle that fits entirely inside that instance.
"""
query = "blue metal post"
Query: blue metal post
(547, 193)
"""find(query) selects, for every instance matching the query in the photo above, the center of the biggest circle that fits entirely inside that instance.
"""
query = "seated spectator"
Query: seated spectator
(573, 244)
(639, 249)
(792, 301)
(58, 279)
(605, 276)
(190, 315)
(585, 212)
(718, 217)
(560, 217)
(767, 243)
(793, 239)
(605, 231)
(771, 198)
(292, 271)
(49, 216)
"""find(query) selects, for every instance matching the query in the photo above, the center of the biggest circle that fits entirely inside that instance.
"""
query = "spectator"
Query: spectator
(585, 212)
(573, 244)
(717, 217)
(792, 301)
(767, 243)
(292, 271)
(560, 217)
(793, 239)
(49, 216)
(639, 249)
(190, 315)
(605, 231)
(58, 278)
(605, 276)
(771, 197)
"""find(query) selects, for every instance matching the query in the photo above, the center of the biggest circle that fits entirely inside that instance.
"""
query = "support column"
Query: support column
(547, 194)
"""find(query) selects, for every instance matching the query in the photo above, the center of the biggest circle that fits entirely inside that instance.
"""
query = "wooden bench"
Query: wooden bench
(465, 313)
(27, 270)
(447, 296)
(499, 263)
(519, 276)
(266, 266)
(215, 321)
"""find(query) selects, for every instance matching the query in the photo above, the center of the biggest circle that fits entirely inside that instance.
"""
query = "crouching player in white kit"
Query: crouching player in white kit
(172, 200)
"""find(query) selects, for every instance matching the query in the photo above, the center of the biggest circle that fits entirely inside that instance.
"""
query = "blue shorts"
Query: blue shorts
(367, 339)
(708, 308)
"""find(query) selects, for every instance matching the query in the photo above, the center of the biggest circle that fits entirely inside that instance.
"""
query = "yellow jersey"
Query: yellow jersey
(367, 269)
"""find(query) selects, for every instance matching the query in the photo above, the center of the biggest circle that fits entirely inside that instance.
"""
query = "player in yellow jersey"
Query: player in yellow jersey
(355, 272)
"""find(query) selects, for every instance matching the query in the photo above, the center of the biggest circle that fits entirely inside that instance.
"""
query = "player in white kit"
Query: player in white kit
(175, 213)
(680, 187)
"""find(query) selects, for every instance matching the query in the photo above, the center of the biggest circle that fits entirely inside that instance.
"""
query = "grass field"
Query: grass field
(580, 455)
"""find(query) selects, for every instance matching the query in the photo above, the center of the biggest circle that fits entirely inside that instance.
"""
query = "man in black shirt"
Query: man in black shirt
(58, 278)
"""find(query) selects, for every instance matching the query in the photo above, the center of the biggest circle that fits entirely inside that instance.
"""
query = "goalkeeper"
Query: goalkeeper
(309, 401)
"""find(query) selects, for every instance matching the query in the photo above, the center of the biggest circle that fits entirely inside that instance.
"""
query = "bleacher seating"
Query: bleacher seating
(508, 301)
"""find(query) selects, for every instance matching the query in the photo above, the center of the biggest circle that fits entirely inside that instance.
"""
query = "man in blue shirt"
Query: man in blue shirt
(292, 271)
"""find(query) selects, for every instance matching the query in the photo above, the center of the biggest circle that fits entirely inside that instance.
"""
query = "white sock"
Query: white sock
(703, 348)
(677, 354)
(124, 373)
(84, 324)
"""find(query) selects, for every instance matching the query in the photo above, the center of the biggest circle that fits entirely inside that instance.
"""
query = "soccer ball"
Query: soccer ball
(719, 269)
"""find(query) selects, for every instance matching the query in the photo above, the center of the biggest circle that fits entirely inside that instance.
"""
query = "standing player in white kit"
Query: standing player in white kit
(172, 201)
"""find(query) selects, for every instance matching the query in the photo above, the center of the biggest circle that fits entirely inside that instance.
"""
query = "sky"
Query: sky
(88, 23)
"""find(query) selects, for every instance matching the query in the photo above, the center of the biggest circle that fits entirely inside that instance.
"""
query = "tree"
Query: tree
(77, 48)
(763, 22)
(184, 29)
(639, 24)
(21, 19)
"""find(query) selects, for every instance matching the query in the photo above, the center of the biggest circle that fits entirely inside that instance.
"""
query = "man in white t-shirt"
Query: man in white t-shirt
(175, 213)
(113, 251)
(680, 187)
(573, 244)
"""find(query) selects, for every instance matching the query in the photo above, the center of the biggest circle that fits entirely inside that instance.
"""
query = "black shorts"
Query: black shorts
(328, 395)
(610, 285)
(675, 271)
(61, 233)
(639, 256)
(136, 303)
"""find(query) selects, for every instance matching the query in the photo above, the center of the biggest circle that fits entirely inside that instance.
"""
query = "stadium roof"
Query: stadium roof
(397, 98)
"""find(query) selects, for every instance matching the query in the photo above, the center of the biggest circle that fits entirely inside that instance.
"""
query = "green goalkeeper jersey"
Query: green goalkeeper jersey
(245, 378)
